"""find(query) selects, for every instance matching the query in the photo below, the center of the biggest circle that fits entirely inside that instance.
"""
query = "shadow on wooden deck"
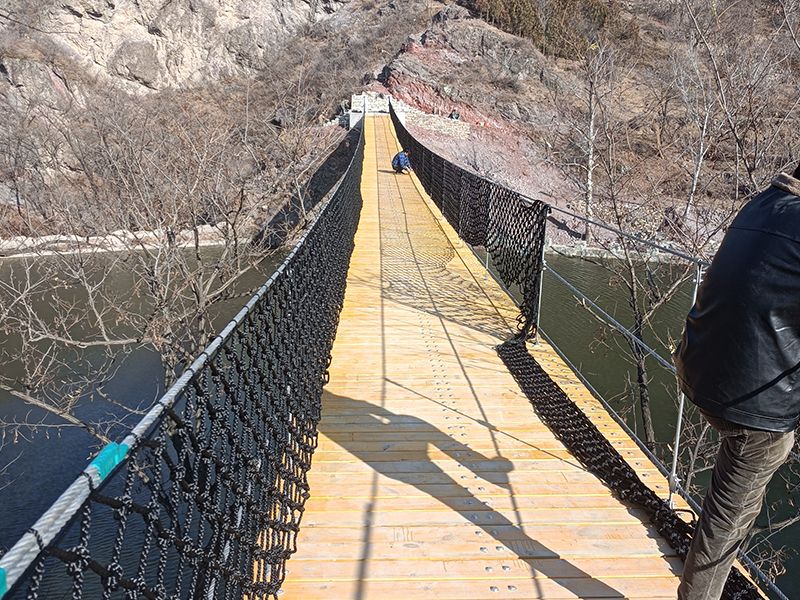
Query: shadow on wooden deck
(492, 527)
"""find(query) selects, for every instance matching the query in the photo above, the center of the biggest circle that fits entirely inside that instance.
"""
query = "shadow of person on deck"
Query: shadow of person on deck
(496, 535)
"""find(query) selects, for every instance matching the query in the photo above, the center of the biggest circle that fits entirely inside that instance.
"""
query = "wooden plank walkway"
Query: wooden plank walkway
(434, 478)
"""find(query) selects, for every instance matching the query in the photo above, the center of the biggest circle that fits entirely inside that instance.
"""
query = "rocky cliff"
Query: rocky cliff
(52, 51)
(462, 62)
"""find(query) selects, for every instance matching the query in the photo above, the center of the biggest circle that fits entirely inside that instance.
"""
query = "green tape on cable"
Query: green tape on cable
(109, 457)
(3, 582)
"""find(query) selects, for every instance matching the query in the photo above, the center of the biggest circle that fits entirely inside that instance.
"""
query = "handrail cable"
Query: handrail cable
(659, 464)
(606, 226)
(632, 236)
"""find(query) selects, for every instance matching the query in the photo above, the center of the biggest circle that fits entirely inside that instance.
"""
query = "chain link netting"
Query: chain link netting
(586, 443)
(208, 501)
(510, 227)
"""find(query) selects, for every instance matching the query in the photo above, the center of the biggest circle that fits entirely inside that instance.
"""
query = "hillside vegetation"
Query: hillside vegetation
(558, 28)
(663, 119)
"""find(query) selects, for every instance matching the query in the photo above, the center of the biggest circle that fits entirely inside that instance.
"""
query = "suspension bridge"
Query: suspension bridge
(381, 420)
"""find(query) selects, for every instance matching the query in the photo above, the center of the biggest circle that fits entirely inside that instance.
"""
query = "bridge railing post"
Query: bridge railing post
(536, 336)
(673, 479)
(542, 266)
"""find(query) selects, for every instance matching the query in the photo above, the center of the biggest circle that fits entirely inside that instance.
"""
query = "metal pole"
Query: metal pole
(541, 278)
(673, 479)
(539, 301)
(673, 473)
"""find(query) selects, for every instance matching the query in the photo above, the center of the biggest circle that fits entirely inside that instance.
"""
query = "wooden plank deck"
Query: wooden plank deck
(434, 478)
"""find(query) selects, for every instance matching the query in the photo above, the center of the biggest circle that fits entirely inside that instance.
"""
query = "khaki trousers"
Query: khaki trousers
(746, 461)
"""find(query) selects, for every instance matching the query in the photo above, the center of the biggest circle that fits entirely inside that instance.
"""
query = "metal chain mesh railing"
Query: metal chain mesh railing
(510, 227)
(204, 498)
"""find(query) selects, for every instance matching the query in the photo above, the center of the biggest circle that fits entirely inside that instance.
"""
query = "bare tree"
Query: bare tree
(748, 57)
(597, 80)
(142, 225)
(700, 110)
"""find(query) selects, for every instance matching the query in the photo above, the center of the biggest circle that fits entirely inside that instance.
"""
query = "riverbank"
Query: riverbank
(615, 252)
(116, 241)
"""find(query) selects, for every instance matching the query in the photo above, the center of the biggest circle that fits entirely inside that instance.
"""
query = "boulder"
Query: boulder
(137, 61)
(453, 12)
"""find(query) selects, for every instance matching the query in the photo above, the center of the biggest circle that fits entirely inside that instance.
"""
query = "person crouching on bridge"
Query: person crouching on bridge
(739, 362)
(401, 163)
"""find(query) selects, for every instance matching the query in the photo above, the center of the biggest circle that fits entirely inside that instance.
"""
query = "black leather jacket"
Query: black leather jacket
(739, 358)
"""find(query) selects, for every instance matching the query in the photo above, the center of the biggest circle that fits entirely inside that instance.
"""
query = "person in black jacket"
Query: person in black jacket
(739, 362)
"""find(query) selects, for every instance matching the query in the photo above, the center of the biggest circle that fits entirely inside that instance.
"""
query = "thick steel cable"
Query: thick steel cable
(611, 321)
(633, 237)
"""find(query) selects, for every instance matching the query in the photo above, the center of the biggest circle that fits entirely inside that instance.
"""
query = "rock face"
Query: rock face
(463, 63)
(51, 49)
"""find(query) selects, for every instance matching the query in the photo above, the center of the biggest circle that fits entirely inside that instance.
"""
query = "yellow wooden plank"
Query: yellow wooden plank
(488, 569)
(572, 540)
(514, 478)
(519, 503)
(459, 453)
(585, 587)
(443, 492)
